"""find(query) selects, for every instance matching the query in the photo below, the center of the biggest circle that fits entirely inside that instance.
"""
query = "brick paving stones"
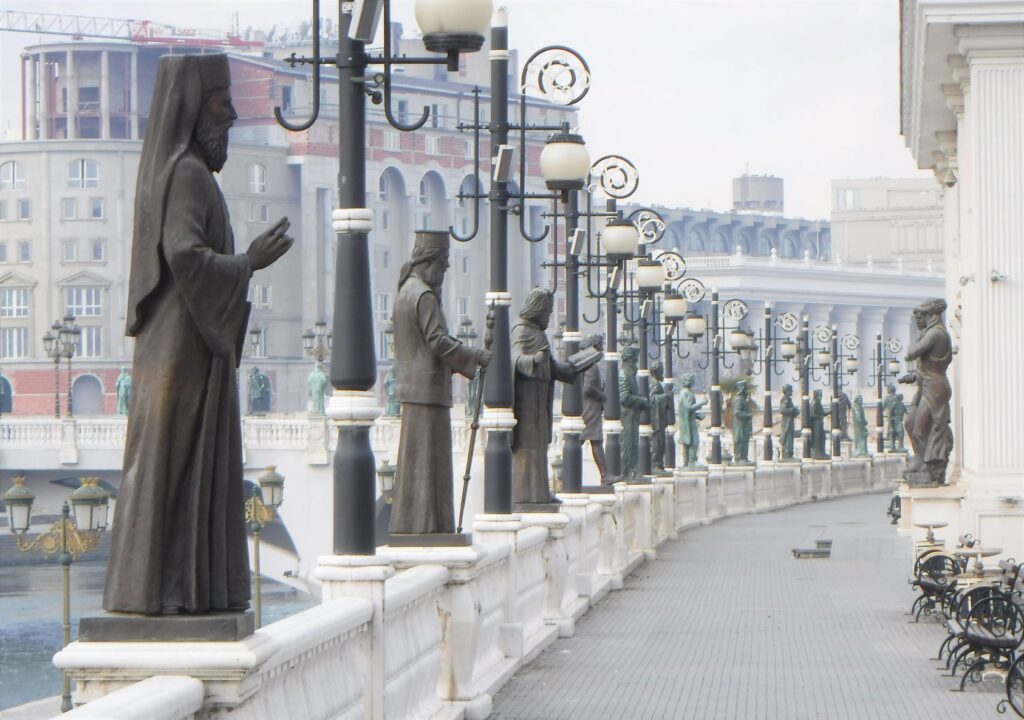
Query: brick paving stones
(727, 624)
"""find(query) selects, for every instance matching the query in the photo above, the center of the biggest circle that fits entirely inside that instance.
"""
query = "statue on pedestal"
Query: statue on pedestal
(259, 392)
(897, 412)
(689, 418)
(818, 436)
(179, 539)
(124, 391)
(928, 422)
(742, 423)
(660, 401)
(860, 429)
(426, 355)
(789, 412)
(631, 403)
(593, 407)
(843, 411)
(392, 408)
(536, 370)
(318, 386)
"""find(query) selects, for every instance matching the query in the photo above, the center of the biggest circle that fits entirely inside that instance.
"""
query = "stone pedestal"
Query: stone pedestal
(493, 529)
(919, 505)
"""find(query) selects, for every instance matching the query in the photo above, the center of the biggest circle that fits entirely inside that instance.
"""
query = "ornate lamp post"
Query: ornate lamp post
(260, 509)
(450, 28)
(808, 357)
(255, 340)
(90, 504)
(842, 364)
(762, 354)
(61, 341)
(317, 342)
(882, 368)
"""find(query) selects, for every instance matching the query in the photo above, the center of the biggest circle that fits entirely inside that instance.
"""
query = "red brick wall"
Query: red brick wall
(34, 389)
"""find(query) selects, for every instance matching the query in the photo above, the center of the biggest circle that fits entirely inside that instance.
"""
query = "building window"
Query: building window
(14, 342)
(95, 208)
(3, 209)
(422, 199)
(259, 213)
(260, 350)
(68, 209)
(13, 302)
(382, 307)
(261, 297)
(392, 140)
(90, 342)
(385, 220)
(85, 301)
(465, 260)
(99, 250)
(24, 251)
(11, 176)
(3, 252)
(383, 348)
(24, 209)
(403, 110)
(433, 145)
(846, 199)
(83, 174)
(286, 98)
(462, 307)
(436, 118)
(69, 251)
(257, 178)
(382, 188)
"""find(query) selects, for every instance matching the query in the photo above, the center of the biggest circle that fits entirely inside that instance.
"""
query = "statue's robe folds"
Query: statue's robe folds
(632, 403)
(593, 405)
(179, 527)
(689, 433)
(426, 355)
(533, 399)
(789, 411)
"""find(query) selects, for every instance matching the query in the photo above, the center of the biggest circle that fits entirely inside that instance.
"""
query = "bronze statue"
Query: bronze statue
(689, 417)
(818, 436)
(179, 542)
(391, 406)
(593, 407)
(536, 370)
(426, 355)
(632, 403)
(318, 386)
(124, 391)
(843, 412)
(789, 412)
(860, 429)
(660, 401)
(742, 423)
(928, 420)
(897, 412)
(259, 392)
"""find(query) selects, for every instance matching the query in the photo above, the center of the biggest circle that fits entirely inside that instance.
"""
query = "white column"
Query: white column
(30, 100)
(133, 96)
(991, 159)
(45, 87)
(105, 95)
(71, 83)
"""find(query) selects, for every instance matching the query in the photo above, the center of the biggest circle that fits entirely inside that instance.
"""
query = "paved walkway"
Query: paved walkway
(726, 624)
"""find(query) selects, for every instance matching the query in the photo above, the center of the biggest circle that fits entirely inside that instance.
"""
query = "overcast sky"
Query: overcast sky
(694, 93)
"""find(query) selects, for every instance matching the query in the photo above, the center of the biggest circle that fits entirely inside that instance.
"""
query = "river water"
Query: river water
(30, 617)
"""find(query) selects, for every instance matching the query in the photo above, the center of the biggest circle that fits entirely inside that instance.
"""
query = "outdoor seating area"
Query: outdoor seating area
(981, 610)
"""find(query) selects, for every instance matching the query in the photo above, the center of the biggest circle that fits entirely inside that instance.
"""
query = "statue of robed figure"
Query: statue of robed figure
(632, 403)
(179, 542)
(818, 436)
(689, 418)
(593, 407)
(318, 386)
(536, 370)
(124, 391)
(742, 423)
(789, 412)
(860, 429)
(426, 355)
(660, 405)
(927, 422)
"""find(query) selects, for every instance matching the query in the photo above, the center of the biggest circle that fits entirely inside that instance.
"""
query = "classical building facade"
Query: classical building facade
(67, 192)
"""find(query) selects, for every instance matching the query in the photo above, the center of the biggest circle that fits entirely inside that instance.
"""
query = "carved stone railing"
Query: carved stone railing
(101, 433)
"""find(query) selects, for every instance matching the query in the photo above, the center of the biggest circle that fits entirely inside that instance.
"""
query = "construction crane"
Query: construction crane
(138, 31)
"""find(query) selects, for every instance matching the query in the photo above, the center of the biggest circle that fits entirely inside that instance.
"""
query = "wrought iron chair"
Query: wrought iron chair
(993, 632)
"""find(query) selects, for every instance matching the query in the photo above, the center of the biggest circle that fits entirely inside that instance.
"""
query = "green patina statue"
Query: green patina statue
(631, 402)
(897, 413)
(259, 392)
(742, 423)
(860, 429)
(689, 417)
(392, 408)
(124, 391)
(789, 412)
(318, 385)
(818, 436)
(660, 402)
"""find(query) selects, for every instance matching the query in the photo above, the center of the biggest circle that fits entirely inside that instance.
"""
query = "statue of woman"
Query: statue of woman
(860, 429)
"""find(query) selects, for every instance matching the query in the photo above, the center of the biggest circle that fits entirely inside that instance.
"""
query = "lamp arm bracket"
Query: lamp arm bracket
(316, 62)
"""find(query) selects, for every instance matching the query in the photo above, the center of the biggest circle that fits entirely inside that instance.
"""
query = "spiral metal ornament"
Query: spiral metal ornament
(788, 322)
(823, 334)
(649, 224)
(851, 341)
(692, 289)
(558, 74)
(735, 310)
(893, 345)
(616, 176)
(673, 264)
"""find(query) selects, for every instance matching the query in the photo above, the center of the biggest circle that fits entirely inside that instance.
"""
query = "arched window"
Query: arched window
(382, 187)
(257, 178)
(6, 396)
(83, 174)
(694, 242)
(720, 245)
(87, 395)
(789, 247)
(765, 245)
(423, 191)
(12, 176)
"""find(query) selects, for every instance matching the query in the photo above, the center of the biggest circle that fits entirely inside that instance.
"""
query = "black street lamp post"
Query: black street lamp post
(62, 341)
(883, 367)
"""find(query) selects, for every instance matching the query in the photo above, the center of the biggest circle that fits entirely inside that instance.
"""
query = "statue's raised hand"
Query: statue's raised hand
(269, 246)
(484, 358)
(908, 379)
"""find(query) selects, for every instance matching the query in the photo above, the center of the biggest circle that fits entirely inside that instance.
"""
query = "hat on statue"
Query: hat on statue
(439, 239)
(214, 71)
